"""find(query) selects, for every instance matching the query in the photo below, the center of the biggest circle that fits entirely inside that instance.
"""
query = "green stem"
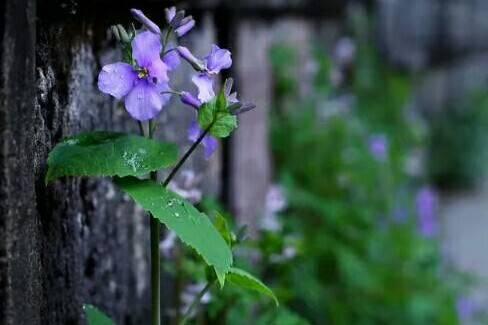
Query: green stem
(196, 302)
(166, 40)
(186, 156)
(155, 272)
(155, 230)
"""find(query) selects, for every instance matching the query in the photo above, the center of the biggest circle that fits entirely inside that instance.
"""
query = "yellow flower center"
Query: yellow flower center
(143, 73)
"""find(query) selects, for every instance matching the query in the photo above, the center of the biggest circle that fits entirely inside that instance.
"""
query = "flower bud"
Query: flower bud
(178, 18)
(115, 32)
(150, 25)
(124, 36)
(190, 100)
(229, 82)
(242, 109)
(185, 28)
(170, 14)
(190, 58)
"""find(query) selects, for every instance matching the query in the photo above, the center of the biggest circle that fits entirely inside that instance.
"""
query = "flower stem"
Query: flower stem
(186, 156)
(196, 302)
(155, 230)
(155, 272)
(166, 40)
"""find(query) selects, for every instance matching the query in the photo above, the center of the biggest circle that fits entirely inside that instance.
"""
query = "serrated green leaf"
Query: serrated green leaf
(245, 280)
(192, 227)
(224, 124)
(221, 121)
(95, 317)
(206, 114)
(108, 154)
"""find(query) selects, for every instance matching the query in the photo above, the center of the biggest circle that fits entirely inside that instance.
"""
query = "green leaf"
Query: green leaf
(245, 280)
(221, 121)
(223, 228)
(192, 227)
(221, 103)
(108, 154)
(95, 317)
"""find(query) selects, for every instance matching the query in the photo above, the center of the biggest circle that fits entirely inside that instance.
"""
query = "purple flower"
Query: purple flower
(378, 146)
(427, 204)
(140, 86)
(217, 60)
(209, 143)
(146, 22)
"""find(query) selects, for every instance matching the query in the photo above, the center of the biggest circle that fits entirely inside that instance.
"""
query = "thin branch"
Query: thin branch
(186, 156)
(196, 302)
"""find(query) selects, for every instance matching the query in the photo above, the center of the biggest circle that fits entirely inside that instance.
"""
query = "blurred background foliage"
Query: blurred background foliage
(351, 235)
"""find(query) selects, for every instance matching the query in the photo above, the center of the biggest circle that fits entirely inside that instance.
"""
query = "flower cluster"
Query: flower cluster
(143, 80)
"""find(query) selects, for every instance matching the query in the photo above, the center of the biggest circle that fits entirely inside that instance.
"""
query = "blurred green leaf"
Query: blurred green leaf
(95, 317)
(245, 280)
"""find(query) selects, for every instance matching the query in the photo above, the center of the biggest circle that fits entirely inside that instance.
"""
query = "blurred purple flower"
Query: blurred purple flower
(142, 85)
(210, 144)
(275, 203)
(378, 146)
(427, 203)
(146, 22)
(345, 51)
(466, 308)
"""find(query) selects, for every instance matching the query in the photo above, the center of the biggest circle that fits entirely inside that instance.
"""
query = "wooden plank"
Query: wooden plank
(20, 284)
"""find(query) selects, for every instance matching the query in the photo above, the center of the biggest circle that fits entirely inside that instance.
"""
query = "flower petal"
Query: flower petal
(158, 71)
(218, 59)
(172, 59)
(204, 84)
(194, 132)
(117, 79)
(144, 102)
(210, 144)
(146, 48)
(163, 89)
